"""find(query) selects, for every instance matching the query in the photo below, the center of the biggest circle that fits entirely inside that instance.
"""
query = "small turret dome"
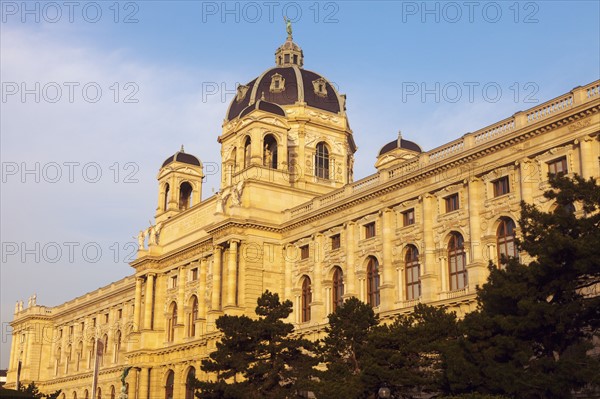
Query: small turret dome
(182, 157)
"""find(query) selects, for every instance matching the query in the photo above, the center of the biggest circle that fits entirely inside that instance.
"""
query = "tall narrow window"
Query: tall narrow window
(338, 288)
(247, 152)
(112, 392)
(117, 346)
(170, 385)
(189, 383)
(506, 239)
(166, 199)
(185, 196)
(193, 317)
(79, 355)
(457, 262)
(104, 348)
(270, 152)
(373, 296)
(306, 299)
(322, 161)
(413, 273)
(172, 322)
(92, 353)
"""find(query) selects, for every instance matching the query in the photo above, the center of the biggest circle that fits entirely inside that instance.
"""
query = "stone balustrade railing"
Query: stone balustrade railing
(576, 97)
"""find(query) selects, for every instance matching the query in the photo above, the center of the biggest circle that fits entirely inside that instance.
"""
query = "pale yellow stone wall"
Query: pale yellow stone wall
(228, 249)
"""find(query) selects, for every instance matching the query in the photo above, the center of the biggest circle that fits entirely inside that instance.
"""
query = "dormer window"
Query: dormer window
(295, 59)
(241, 93)
(277, 83)
(320, 87)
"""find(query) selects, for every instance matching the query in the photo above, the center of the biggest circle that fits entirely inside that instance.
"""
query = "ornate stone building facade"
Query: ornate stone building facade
(290, 218)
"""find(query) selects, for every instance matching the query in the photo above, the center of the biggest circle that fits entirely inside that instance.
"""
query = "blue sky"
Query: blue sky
(121, 85)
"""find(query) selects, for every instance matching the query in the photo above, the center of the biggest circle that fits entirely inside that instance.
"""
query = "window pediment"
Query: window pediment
(277, 83)
(320, 87)
(241, 93)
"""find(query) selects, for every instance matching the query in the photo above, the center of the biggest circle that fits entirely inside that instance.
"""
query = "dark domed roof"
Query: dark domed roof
(299, 85)
(181, 156)
(400, 143)
(263, 106)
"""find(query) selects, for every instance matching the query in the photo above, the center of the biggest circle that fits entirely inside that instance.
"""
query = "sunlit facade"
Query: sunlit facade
(290, 218)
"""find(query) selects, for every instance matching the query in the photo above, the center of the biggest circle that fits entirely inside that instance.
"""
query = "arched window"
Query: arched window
(338, 288)
(413, 273)
(166, 199)
(193, 317)
(86, 395)
(79, 355)
(306, 299)
(270, 152)
(189, 383)
(170, 385)
(112, 392)
(74, 395)
(322, 161)
(68, 360)
(506, 239)
(58, 355)
(373, 297)
(247, 152)
(172, 322)
(117, 346)
(99, 393)
(104, 348)
(457, 262)
(185, 196)
(234, 158)
(92, 353)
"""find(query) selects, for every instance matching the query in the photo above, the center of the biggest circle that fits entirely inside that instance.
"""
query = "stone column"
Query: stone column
(476, 268)
(181, 297)
(317, 288)
(301, 167)
(149, 301)
(387, 234)
(202, 305)
(143, 384)
(137, 304)
(241, 302)
(427, 255)
(216, 281)
(588, 166)
(289, 264)
(232, 273)
(133, 378)
(349, 273)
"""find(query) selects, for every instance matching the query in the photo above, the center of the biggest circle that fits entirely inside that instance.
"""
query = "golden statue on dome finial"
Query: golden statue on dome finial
(288, 26)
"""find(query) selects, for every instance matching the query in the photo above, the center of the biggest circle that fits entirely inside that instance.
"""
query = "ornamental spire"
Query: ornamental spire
(288, 26)
(289, 53)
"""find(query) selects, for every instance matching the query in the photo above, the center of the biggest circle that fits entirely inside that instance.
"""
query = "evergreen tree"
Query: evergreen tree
(532, 332)
(258, 358)
(344, 351)
(361, 356)
(34, 391)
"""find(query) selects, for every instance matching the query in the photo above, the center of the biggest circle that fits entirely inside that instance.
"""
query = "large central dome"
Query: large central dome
(287, 84)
